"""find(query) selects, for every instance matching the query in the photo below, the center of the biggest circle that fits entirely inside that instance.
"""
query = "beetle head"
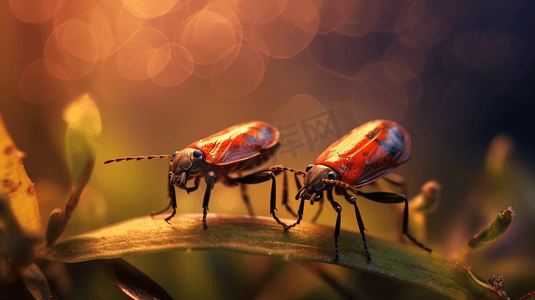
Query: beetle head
(313, 183)
(184, 163)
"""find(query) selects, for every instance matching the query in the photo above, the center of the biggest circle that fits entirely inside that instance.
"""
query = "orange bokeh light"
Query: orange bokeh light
(71, 50)
(206, 35)
(133, 58)
(113, 25)
(171, 65)
(287, 34)
(242, 76)
(37, 85)
(35, 11)
(149, 9)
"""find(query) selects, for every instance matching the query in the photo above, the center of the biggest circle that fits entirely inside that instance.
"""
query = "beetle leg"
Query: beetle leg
(245, 196)
(172, 195)
(285, 193)
(195, 187)
(262, 177)
(302, 208)
(299, 214)
(273, 201)
(172, 202)
(353, 201)
(210, 181)
(384, 197)
(318, 213)
(338, 210)
(160, 211)
(277, 170)
(183, 179)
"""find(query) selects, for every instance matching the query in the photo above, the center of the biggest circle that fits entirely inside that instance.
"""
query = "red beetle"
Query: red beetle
(220, 157)
(362, 156)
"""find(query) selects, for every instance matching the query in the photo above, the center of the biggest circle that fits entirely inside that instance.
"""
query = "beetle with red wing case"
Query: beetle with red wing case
(220, 157)
(364, 155)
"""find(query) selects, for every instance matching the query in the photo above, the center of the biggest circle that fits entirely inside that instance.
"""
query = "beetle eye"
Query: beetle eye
(332, 176)
(174, 154)
(197, 153)
(309, 167)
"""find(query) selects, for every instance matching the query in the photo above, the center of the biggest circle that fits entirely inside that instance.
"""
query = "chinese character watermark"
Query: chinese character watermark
(308, 132)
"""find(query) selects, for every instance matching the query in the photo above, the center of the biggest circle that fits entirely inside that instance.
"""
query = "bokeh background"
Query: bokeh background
(455, 74)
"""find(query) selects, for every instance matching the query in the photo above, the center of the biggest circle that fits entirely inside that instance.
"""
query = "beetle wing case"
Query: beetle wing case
(368, 152)
(237, 143)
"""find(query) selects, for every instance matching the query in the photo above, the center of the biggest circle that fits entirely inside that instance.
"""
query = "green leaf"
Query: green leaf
(495, 229)
(261, 235)
(83, 128)
(488, 235)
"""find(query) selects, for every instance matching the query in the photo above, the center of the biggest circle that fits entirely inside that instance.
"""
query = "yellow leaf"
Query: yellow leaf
(15, 185)
(84, 114)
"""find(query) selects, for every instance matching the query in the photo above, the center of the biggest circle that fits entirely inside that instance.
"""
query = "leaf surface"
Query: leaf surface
(261, 235)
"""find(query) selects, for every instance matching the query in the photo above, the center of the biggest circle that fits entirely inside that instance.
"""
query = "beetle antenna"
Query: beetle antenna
(341, 184)
(281, 168)
(149, 157)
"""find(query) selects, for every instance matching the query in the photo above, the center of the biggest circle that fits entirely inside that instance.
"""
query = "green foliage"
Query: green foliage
(20, 228)
(261, 235)
(495, 229)
(83, 128)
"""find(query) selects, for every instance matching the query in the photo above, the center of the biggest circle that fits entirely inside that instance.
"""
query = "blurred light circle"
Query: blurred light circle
(133, 58)
(351, 18)
(149, 9)
(411, 56)
(379, 94)
(398, 73)
(169, 23)
(344, 55)
(171, 65)
(504, 51)
(261, 11)
(35, 11)
(113, 25)
(72, 50)
(412, 12)
(287, 34)
(242, 76)
(465, 47)
(103, 32)
(430, 27)
(396, 15)
(335, 13)
(207, 35)
(37, 85)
